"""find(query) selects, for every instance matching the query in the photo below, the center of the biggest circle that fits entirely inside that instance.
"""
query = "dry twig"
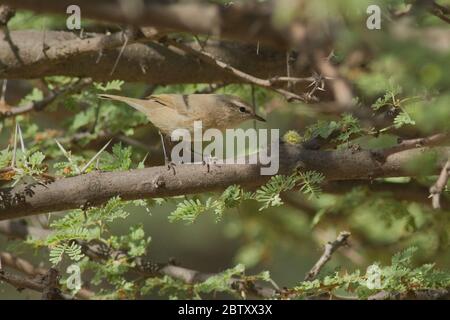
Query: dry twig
(268, 84)
(330, 248)
(437, 189)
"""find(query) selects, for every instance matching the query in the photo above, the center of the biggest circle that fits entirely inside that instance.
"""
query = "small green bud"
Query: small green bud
(292, 137)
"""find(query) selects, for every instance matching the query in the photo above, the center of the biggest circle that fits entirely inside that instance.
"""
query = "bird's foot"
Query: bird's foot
(208, 161)
(170, 166)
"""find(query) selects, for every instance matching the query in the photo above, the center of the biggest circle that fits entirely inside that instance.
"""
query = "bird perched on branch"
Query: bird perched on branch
(169, 112)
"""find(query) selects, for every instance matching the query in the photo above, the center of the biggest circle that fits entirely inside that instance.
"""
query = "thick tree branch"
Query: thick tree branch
(45, 284)
(250, 22)
(22, 57)
(97, 187)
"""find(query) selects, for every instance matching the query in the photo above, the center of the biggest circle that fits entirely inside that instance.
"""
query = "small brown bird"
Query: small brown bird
(179, 111)
(169, 112)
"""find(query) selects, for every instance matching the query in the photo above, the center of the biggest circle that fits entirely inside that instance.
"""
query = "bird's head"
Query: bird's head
(238, 110)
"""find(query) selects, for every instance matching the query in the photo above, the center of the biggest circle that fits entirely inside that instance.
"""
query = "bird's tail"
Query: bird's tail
(138, 104)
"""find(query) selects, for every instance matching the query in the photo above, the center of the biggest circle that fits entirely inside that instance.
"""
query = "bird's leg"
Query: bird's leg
(208, 161)
(167, 161)
(166, 158)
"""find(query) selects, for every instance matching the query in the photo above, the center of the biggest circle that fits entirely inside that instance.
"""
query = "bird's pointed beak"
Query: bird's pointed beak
(259, 118)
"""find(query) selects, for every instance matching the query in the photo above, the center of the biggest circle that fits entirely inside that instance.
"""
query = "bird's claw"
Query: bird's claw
(171, 166)
(208, 161)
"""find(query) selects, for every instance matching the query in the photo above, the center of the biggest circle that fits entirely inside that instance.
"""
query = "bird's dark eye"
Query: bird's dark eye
(242, 109)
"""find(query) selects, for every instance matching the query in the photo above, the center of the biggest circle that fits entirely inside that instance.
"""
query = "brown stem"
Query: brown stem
(330, 248)
(42, 104)
(437, 189)
(24, 266)
(246, 77)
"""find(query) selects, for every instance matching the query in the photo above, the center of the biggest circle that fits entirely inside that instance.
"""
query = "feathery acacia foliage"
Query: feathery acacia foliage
(383, 92)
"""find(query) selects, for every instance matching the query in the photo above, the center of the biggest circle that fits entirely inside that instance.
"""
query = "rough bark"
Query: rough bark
(27, 55)
(249, 22)
(97, 187)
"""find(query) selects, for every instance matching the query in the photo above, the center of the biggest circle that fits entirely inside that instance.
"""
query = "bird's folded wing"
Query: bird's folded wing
(175, 102)
(163, 99)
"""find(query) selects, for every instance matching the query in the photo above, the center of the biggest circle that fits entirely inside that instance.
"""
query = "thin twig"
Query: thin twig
(13, 160)
(433, 140)
(330, 248)
(440, 11)
(252, 87)
(288, 70)
(95, 157)
(125, 42)
(437, 189)
(67, 155)
(291, 80)
(42, 104)
(97, 114)
(22, 143)
(210, 59)
(38, 285)
(3, 91)
(342, 90)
